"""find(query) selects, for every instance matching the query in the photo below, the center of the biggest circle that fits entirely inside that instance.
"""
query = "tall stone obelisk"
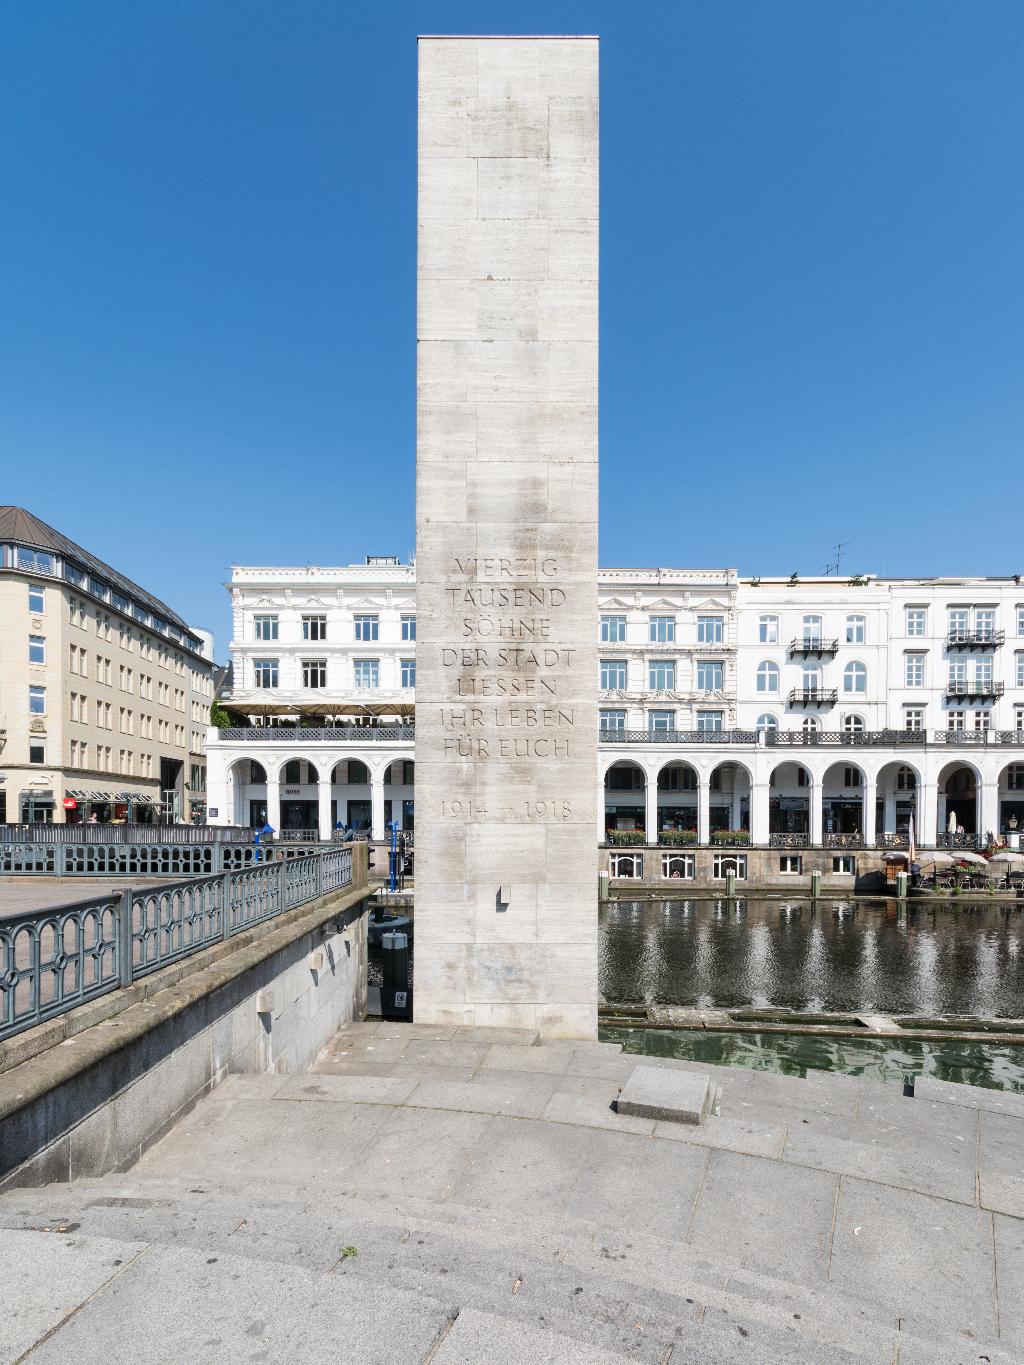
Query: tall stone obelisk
(506, 534)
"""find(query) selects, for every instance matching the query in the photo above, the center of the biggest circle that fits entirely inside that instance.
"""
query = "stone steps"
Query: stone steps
(711, 1309)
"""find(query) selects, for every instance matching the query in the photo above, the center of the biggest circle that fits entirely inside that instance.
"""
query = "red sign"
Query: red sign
(70, 803)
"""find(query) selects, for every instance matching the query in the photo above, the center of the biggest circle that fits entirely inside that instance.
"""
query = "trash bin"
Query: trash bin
(396, 992)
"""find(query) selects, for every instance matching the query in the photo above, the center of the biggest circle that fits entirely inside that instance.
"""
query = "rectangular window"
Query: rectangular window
(959, 618)
(661, 629)
(613, 629)
(851, 777)
(768, 630)
(983, 720)
(709, 721)
(36, 599)
(958, 672)
(724, 863)
(613, 675)
(855, 626)
(710, 630)
(811, 630)
(679, 865)
(37, 751)
(264, 674)
(985, 622)
(37, 701)
(314, 627)
(917, 620)
(790, 864)
(35, 559)
(914, 670)
(913, 718)
(366, 672)
(314, 673)
(367, 627)
(265, 627)
(956, 721)
(709, 675)
(661, 720)
(1018, 717)
(843, 865)
(661, 675)
(1018, 668)
(408, 672)
(983, 670)
(613, 720)
(408, 627)
(36, 649)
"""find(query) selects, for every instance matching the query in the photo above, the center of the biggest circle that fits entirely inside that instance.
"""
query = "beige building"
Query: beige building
(104, 691)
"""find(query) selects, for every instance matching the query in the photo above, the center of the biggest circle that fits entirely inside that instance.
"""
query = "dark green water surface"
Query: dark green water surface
(995, 1065)
(943, 958)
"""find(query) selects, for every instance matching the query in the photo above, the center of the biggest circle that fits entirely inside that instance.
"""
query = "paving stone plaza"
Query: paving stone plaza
(434, 1194)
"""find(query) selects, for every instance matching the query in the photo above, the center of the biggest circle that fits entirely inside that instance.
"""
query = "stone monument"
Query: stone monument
(506, 534)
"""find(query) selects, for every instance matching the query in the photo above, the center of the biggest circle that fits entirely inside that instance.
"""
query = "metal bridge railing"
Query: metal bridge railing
(55, 960)
(143, 860)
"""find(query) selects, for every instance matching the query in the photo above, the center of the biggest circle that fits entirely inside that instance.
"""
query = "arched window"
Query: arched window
(854, 725)
(767, 722)
(811, 726)
(855, 677)
(767, 676)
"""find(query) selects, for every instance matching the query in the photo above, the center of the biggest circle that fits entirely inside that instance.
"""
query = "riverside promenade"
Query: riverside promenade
(464, 1195)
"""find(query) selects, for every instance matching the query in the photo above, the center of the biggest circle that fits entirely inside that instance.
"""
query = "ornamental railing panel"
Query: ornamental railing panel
(55, 960)
(316, 734)
(968, 841)
(677, 736)
(843, 841)
(847, 738)
(124, 834)
(789, 841)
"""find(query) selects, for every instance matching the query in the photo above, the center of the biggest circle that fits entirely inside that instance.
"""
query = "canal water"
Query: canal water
(951, 957)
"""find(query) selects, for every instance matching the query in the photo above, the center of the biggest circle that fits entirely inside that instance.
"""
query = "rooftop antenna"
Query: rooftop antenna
(833, 566)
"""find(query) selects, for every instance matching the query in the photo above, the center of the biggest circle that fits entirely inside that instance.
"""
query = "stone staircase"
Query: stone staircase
(288, 1220)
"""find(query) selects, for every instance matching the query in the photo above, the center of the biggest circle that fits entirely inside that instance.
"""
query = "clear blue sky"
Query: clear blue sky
(811, 310)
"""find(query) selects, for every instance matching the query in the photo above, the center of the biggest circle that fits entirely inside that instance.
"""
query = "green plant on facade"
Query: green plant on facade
(625, 838)
(678, 838)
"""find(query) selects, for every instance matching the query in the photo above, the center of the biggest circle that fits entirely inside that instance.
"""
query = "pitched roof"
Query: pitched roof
(20, 526)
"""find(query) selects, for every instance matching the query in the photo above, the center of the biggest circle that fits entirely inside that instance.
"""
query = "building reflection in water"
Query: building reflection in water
(853, 955)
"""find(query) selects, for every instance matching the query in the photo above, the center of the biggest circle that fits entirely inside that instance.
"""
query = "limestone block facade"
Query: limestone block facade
(507, 533)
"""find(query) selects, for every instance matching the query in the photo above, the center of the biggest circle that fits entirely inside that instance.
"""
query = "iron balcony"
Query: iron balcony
(974, 639)
(815, 646)
(812, 696)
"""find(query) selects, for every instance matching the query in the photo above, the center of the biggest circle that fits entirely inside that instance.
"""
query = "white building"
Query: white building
(786, 713)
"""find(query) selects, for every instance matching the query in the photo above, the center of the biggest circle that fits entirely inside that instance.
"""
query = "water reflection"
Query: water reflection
(942, 958)
(993, 1064)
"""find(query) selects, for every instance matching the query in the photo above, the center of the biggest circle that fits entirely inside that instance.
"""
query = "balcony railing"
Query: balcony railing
(974, 639)
(866, 738)
(814, 645)
(974, 689)
(789, 841)
(842, 840)
(317, 734)
(948, 840)
(813, 696)
(678, 736)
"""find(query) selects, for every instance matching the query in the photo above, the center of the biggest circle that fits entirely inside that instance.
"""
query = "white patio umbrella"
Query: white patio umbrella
(938, 860)
(966, 857)
(1008, 858)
